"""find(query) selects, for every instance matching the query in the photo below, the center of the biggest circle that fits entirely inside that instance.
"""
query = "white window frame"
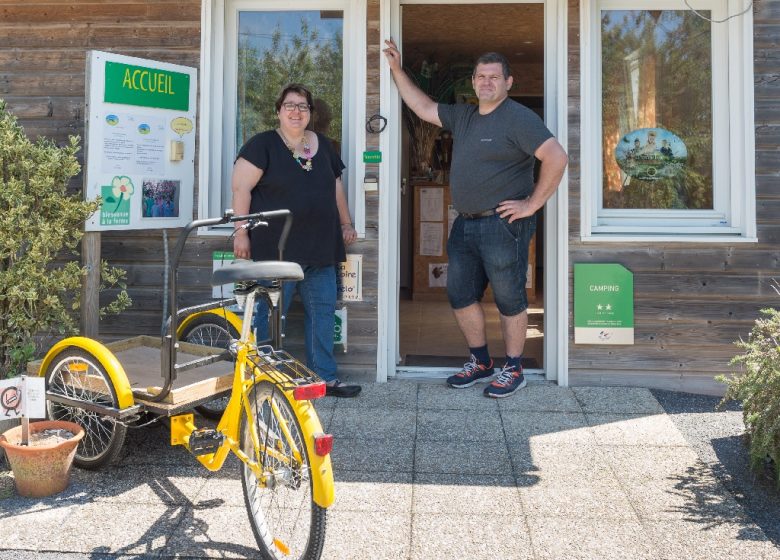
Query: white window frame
(733, 218)
(218, 98)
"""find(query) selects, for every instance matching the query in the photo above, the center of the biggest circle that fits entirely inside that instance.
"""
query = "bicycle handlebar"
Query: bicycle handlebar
(168, 355)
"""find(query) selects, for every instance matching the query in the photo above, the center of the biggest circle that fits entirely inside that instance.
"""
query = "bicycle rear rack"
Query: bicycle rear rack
(282, 368)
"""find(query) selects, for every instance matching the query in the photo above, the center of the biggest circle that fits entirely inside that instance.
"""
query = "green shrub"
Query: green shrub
(758, 389)
(40, 228)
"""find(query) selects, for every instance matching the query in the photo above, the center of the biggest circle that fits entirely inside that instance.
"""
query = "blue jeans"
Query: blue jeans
(318, 294)
(489, 249)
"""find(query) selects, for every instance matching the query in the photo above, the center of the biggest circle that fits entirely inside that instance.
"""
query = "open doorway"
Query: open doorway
(440, 44)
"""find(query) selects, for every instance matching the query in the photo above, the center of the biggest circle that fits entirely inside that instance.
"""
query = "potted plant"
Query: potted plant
(41, 224)
(41, 455)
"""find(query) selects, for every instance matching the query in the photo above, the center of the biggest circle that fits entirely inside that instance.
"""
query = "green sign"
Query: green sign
(115, 209)
(147, 87)
(222, 255)
(340, 328)
(372, 157)
(603, 304)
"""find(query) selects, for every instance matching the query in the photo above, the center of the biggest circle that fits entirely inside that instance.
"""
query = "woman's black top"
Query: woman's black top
(315, 238)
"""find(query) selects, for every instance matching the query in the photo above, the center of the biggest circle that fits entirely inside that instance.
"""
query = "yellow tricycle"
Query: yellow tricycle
(269, 421)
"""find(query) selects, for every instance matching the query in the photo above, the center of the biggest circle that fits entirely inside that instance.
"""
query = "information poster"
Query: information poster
(350, 278)
(140, 142)
(603, 304)
(23, 396)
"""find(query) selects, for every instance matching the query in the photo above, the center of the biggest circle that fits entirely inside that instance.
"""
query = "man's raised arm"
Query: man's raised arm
(422, 105)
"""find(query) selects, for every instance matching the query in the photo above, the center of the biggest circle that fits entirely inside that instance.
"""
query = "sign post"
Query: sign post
(603, 304)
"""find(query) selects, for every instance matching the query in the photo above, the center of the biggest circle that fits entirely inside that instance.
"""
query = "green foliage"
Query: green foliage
(40, 227)
(758, 389)
(306, 58)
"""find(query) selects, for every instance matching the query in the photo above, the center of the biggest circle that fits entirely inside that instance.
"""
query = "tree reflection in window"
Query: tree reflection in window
(279, 48)
(657, 73)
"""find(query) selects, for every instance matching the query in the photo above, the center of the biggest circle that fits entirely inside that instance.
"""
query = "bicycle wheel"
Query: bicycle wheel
(77, 374)
(285, 520)
(214, 330)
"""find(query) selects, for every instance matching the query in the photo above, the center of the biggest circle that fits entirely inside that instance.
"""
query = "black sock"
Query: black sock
(481, 354)
(514, 362)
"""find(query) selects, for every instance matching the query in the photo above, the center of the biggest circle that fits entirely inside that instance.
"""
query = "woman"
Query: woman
(297, 169)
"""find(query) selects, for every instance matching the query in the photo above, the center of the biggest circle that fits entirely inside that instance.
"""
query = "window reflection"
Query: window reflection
(278, 48)
(656, 110)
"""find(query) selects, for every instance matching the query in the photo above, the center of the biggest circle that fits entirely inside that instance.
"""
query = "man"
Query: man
(492, 187)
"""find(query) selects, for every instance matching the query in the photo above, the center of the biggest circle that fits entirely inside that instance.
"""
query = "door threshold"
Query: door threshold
(412, 373)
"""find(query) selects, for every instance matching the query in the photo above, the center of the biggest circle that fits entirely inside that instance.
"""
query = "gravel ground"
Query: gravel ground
(717, 436)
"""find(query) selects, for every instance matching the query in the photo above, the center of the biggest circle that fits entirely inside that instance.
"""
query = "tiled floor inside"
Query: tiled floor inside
(428, 328)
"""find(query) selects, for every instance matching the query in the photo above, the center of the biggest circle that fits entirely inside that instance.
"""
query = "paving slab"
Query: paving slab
(358, 535)
(450, 536)
(619, 400)
(466, 495)
(541, 397)
(575, 497)
(713, 540)
(372, 455)
(438, 396)
(366, 423)
(590, 539)
(457, 457)
(383, 395)
(212, 532)
(459, 425)
(634, 429)
(545, 460)
(388, 492)
(547, 427)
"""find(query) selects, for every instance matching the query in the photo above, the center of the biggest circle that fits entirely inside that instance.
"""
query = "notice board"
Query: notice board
(140, 134)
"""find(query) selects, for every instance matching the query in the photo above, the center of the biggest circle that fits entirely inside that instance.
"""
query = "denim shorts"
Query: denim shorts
(489, 249)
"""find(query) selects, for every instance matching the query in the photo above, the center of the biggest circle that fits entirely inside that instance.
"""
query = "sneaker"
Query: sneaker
(509, 380)
(471, 372)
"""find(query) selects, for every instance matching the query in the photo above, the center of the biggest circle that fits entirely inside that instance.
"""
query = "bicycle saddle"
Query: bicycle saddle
(240, 270)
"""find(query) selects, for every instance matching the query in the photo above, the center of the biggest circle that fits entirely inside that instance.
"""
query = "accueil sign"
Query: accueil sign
(603, 304)
(146, 87)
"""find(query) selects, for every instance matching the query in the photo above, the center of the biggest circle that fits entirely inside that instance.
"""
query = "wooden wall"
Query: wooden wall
(691, 300)
(43, 45)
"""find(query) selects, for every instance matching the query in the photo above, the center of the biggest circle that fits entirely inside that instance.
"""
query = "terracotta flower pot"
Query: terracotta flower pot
(41, 470)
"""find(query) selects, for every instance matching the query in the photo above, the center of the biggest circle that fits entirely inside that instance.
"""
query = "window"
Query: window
(251, 50)
(667, 121)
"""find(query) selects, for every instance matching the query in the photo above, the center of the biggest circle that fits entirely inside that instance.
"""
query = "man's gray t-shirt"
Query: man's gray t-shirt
(493, 154)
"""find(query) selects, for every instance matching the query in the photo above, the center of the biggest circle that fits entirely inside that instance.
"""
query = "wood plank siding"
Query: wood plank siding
(43, 47)
(692, 301)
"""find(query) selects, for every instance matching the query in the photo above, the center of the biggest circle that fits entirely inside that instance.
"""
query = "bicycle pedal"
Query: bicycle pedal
(205, 441)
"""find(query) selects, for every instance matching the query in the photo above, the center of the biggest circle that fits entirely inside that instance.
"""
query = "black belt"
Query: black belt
(484, 214)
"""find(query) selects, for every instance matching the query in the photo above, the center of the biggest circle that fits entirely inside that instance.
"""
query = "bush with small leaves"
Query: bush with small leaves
(41, 224)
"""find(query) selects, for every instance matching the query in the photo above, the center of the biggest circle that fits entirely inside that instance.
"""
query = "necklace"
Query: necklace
(303, 160)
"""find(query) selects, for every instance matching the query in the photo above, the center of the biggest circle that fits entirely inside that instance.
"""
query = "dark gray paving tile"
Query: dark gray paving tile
(439, 396)
(459, 425)
(487, 457)
(541, 397)
(372, 455)
(393, 394)
(619, 400)
(365, 423)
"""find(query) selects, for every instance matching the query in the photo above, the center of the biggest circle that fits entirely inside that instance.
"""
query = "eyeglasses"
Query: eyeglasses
(290, 107)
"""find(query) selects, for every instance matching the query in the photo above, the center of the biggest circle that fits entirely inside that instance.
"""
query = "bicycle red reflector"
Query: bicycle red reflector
(323, 444)
(309, 392)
